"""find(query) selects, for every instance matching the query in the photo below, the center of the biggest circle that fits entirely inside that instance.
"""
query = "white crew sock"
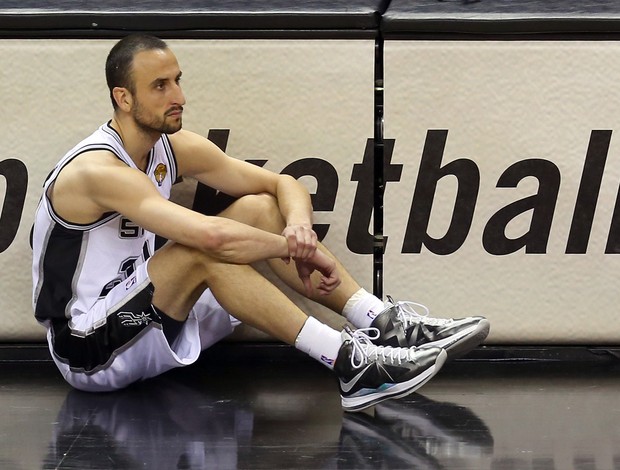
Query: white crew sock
(319, 341)
(362, 308)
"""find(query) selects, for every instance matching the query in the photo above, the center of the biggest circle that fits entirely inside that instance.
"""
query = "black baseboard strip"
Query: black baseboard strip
(279, 352)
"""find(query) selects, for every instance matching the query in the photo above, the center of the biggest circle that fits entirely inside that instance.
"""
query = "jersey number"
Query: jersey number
(128, 229)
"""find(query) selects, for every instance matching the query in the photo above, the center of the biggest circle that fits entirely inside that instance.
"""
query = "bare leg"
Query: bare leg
(334, 301)
(180, 275)
(268, 218)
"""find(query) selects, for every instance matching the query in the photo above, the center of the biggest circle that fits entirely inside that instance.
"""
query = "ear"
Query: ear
(123, 98)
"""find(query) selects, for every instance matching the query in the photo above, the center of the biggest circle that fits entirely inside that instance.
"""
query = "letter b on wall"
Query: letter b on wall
(16, 176)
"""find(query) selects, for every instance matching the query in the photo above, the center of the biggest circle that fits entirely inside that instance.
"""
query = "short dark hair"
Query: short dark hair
(118, 66)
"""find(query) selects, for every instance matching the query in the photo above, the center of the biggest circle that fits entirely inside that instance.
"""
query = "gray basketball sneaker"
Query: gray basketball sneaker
(369, 374)
(402, 325)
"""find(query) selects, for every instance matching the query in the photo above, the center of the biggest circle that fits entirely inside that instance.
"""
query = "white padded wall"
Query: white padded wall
(282, 101)
(498, 104)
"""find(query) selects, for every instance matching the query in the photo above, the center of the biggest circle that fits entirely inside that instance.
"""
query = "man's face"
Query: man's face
(158, 99)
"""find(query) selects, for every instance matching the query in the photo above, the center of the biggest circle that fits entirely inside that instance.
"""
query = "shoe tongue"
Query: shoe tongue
(345, 334)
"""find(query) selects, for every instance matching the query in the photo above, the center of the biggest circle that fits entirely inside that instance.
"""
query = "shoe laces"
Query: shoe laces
(365, 351)
(409, 313)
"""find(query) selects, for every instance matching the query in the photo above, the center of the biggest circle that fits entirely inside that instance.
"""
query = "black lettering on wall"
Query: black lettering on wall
(359, 239)
(326, 178)
(431, 171)
(589, 188)
(613, 239)
(495, 241)
(542, 205)
(207, 200)
(16, 175)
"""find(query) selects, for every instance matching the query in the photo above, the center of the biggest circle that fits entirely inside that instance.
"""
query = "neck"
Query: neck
(136, 141)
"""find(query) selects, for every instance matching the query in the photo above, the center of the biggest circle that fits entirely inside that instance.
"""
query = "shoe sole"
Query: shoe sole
(397, 391)
(459, 345)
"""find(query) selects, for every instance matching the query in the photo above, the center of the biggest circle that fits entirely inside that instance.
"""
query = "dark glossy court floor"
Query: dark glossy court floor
(285, 414)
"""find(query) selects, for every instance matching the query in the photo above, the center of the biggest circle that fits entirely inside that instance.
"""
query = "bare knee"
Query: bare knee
(180, 274)
(179, 261)
(258, 210)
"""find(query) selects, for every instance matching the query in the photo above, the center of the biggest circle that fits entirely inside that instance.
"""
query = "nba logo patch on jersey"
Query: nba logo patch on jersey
(160, 173)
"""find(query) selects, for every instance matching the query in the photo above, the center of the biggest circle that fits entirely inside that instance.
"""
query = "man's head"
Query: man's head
(119, 64)
(143, 78)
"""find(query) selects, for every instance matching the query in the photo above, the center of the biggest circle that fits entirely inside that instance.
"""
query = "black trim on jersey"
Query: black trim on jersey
(58, 266)
(111, 131)
(167, 146)
(146, 252)
(54, 175)
(93, 351)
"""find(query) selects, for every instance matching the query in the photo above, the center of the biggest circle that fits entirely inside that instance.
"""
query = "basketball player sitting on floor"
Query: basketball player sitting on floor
(117, 311)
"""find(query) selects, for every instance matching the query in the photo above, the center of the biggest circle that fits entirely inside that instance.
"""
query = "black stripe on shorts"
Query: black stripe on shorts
(92, 351)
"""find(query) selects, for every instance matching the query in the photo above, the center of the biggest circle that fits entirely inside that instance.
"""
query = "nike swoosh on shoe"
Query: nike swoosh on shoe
(346, 387)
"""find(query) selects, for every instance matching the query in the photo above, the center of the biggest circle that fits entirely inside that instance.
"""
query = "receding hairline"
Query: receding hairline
(123, 54)
(154, 57)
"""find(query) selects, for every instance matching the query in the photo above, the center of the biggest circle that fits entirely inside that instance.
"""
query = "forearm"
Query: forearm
(237, 243)
(219, 237)
(294, 202)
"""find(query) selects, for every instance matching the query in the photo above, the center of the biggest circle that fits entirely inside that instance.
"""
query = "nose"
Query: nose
(178, 95)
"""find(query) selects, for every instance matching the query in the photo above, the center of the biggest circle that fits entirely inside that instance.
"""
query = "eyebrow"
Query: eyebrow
(165, 79)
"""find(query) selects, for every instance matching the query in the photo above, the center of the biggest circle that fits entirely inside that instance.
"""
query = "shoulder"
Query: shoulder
(94, 162)
(87, 186)
(96, 170)
(195, 153)
(185, 141)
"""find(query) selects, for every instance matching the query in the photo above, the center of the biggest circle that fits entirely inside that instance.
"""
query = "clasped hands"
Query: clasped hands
(303, 250)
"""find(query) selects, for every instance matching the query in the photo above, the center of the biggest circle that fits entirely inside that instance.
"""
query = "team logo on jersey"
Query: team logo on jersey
(160, 173)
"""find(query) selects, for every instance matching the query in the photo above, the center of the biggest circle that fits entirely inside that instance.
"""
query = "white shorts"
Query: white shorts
(120, 340)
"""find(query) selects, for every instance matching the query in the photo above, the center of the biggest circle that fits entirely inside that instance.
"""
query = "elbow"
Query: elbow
(215, 242)
(211, 241)
(290, 181)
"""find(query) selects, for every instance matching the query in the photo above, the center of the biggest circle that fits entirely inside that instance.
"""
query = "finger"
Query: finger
(325, 290)
(333, 284)
(292, 246)
(307, 243)
(308, 286)
(328, 285)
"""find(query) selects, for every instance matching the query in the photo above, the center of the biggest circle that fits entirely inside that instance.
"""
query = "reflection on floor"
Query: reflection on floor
(287, 415)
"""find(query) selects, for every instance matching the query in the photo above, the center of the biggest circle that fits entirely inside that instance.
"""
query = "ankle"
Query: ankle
(319, 341)
(362, 308)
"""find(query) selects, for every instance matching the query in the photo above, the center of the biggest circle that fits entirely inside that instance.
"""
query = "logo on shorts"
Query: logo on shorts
(134, 319)
(130, 282)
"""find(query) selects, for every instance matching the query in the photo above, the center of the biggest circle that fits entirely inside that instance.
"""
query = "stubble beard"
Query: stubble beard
(152, 124)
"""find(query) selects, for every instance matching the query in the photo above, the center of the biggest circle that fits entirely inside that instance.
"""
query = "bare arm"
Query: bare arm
(98, 182)
(203, 160)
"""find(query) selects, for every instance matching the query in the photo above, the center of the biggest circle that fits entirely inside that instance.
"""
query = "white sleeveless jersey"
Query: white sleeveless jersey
(74, 265)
